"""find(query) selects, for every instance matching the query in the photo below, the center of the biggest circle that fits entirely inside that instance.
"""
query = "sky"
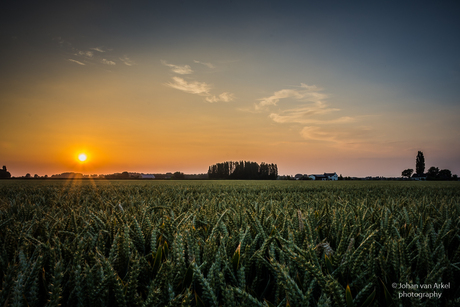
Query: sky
(353, 87)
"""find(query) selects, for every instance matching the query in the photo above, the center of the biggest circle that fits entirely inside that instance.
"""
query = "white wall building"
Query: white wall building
(325, 176)
(331, 176)
(148, 176)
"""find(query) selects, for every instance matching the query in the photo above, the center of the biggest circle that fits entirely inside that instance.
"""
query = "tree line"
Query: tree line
(243, 170)
(433, 172)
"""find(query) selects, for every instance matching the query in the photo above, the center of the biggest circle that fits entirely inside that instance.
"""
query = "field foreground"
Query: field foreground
(229, 243)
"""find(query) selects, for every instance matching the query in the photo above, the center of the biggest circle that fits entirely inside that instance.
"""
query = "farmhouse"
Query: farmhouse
(147, 176)
(418, 177)
(325, 176)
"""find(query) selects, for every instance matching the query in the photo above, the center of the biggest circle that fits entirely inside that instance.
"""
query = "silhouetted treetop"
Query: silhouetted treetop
(178, 175)
(4, 173)
(407, 173)
(420, 163)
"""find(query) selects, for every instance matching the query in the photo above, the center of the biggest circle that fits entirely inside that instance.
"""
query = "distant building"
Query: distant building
(325, 176)
(418, 177)
(318, 177)
(147, 176)
(301, 177)
(331, 176)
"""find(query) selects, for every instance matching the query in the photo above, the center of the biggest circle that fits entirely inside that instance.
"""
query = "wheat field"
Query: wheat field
(229, 243)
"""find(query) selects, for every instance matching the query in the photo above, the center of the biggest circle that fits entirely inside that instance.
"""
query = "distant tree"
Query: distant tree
(420, 163)
(340, 177)
(28, 175)
(124, 175)
(178, 175)
(433, 173)
(445, 174)
(36, 176)
(407, 172)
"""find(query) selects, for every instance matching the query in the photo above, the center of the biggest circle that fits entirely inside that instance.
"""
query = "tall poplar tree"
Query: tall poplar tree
(420, 163)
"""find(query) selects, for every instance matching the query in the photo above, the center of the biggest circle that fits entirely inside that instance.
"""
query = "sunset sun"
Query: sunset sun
(82, 157)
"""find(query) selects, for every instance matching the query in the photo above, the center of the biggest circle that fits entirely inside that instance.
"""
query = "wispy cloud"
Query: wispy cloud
(127, 61)
(98, 49)
(209, 65)
(107, 62)
(350, 135)
(222, 97)
(199, 88)
(181, 70)
(304, 114)
(85, 53)
(195, 87)
(78, 62)
(316, 114)
(305, 93)
(92, 56)
(62, 43)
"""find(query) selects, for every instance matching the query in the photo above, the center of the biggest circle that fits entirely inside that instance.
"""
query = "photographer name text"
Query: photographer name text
(420, 286)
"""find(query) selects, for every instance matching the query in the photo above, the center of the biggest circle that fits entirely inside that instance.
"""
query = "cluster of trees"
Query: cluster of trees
(178, 175)
(124, 175)
(243, 170)
(433, 172)
(4, 173)
(36, 176)
(444, 174)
